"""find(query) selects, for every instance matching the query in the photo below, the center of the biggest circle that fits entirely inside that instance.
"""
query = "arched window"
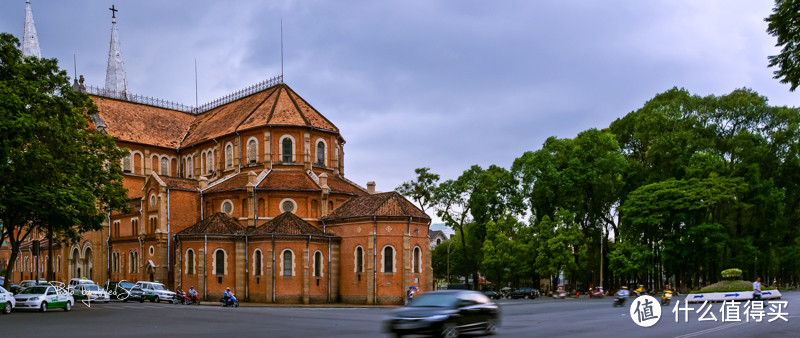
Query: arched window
(134, 261)
(388, 259)
(417, 260)
(359, 260)
(252, 151)
(189, 167)
(190, 262)
(219, 262)
(126, 163)
(210, 161)
(228, 156)
(288, 258)
(164, 166)
(58, 264)
(257, 256)
(317, 264)
(287, 150)
(320, 153)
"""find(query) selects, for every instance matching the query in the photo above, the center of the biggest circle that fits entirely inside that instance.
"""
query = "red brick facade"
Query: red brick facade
(270, 169)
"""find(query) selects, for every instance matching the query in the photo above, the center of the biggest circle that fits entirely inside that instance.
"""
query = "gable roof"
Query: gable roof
(276, 105)
(287, 223)
(217, 224)
(179, 183)
(382, 204)
(288, 180)
(139, 123)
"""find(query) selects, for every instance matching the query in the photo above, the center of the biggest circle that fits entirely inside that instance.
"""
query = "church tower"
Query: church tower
(30, 41)
(116, 80)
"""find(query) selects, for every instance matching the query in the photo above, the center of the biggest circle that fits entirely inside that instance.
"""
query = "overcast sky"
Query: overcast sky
(439, 84)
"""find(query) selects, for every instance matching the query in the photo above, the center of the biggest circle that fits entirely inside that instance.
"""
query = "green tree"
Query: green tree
(784, 23)
(57, 172)
(422, 189)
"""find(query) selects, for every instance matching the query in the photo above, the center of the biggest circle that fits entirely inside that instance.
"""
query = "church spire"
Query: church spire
(30, 41)
(116, 80)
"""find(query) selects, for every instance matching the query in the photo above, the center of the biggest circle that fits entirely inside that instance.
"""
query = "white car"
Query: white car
(43, 298)
(156, 292)
(91, 292)
(77, 281)
(7, 300)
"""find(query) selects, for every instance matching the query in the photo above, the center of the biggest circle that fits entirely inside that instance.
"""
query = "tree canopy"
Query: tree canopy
(58, 174)
(673, 192)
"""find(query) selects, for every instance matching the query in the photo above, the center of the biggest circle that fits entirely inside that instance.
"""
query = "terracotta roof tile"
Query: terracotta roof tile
(314, 118)
(224, 119)
(383, 204)
(286, 113)
(260, 114)
(179, 183)
(141, 123)
(287, 223)
(237, 181)
(343, 185)
(288, 180)
(217, 224)
(277, 105)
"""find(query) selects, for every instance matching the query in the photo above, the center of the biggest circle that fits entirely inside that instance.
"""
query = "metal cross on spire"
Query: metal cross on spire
(113, 12)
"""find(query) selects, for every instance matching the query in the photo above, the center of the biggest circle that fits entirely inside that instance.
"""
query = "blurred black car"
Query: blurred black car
(445, 313)
(524, 293)
(493, 294)
(124, 291)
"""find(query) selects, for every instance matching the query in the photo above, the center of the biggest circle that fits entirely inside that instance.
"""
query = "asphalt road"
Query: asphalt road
(520, 318)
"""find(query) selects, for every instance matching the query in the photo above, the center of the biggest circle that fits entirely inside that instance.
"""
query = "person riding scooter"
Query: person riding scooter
(640, 290)
(621, 295)
(666, 297)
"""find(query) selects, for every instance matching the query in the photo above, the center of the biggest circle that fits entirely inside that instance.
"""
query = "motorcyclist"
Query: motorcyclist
(410, 294)
(193, 294)
(228, 296)
(621, 295)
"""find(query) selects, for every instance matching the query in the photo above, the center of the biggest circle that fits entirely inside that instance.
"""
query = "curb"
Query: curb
(328, 306)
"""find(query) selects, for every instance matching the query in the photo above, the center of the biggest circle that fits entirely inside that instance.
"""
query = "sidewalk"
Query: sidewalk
(334, 305)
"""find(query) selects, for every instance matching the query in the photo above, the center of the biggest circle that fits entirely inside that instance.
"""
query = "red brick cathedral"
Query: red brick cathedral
(246, 192)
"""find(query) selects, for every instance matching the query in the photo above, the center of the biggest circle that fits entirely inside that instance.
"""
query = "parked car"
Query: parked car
(58, 284)
(124, 291)
(43, 298)
(7, 300)
(14, 288)
(75, 281)
(156, 292)
(91, 292)
(493, 294)
(526, 293)
(445, 313)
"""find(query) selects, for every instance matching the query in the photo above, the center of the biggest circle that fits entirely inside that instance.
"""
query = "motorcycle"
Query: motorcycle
(181, 298)
(194, 300)
(666, 297)
(620, 300)
(233, 302)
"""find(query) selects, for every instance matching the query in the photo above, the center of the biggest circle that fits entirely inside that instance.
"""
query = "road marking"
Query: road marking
(713, 329)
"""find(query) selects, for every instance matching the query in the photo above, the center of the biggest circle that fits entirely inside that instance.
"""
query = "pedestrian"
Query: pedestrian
(757, 289)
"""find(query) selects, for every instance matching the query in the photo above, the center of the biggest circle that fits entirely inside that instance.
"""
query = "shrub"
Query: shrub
(732, 274)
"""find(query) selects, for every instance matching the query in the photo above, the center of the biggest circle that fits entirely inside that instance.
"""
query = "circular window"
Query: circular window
(288, 205)
(152, 250)
(227, 207)
(153, 200)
